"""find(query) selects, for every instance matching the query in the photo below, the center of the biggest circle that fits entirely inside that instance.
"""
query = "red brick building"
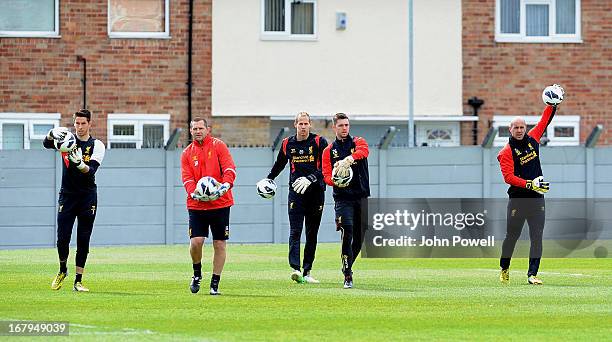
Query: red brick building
(509, 76)
(128, 72)
(137, 68)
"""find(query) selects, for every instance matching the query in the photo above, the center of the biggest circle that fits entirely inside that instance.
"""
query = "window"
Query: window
(538, 21)
(31, 18)
(564, 130)
(439, 134)
(20, 131)
(288, 19)
(138, 130)
(138, 19)
(504, 131)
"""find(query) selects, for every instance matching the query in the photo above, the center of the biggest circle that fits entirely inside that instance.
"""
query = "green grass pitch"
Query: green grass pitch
(142, 293)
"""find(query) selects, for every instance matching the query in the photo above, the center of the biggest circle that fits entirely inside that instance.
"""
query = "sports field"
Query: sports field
(142, 293)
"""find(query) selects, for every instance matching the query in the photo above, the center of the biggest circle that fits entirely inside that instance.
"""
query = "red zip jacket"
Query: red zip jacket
(357, 147)
(210, 158)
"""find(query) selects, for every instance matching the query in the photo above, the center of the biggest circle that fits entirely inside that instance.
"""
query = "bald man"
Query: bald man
(519, 161)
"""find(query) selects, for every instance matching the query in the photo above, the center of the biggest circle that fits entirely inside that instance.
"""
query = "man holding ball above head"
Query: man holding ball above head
(345, 167)
(78, 197)
(208, 173)
(306, 192)
(519, 161)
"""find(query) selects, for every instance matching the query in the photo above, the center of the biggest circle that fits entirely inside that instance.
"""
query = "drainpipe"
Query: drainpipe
(189, 67)
(84, 79)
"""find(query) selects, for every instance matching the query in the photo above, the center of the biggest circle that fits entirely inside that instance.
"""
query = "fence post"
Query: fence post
(383, 146)
(382, 173)
(58, 184)
(486, 172)
(486, 145)
(589, 163)
(276, 200)
(276, 210)
(590, 172)
(169, 217)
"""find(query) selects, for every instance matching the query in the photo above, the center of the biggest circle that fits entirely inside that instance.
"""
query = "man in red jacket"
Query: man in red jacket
(520, 165)
(344, 153)
(207, 156)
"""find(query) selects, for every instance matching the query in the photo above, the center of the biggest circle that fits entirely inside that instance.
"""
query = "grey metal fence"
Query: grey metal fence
(141, 199)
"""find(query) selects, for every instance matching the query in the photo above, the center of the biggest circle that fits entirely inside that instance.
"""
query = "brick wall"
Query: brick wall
(123, 75)
(511, 76)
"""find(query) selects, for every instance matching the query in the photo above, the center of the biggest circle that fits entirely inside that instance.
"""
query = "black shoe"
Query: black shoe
(214, 287)
(195, 284)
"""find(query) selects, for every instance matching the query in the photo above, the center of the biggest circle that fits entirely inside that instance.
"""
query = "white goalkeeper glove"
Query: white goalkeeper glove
(538, 185)
(76, 157)
(346, 162)
(301, 184)
(222, 190)
(340, 170)
(203, 198)
(57, 133)
(196, 197)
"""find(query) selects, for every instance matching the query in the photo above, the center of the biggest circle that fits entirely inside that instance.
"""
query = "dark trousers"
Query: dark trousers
(349, 223)
(533, 211)
(80, 207)
(304, 210)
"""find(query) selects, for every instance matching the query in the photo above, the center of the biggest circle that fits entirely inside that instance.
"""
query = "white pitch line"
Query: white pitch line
(547, 272)
(123, 331)
(111, 330)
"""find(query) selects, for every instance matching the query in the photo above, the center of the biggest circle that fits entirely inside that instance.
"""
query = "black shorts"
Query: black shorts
(350, 212)
(307, 204)
(216, 219)
(71, 205)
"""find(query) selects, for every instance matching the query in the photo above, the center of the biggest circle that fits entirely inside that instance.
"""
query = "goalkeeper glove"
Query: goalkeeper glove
(196, 197)
(222, 190)
(346, 162)
(76, 157)
(203, 198)
(301, 184)
(340, 171)
(57, 133)
(538, 185)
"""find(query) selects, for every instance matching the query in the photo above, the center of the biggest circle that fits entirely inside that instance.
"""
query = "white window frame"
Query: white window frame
(552, 37)
(421, 133)
(28, 120)
(287, 35)
(38, 34)
(138, 120)
(558, 121)
(140, 35)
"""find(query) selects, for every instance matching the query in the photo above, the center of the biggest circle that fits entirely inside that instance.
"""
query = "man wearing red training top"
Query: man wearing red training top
(343, 154)
(207, 156)
(520, 165)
